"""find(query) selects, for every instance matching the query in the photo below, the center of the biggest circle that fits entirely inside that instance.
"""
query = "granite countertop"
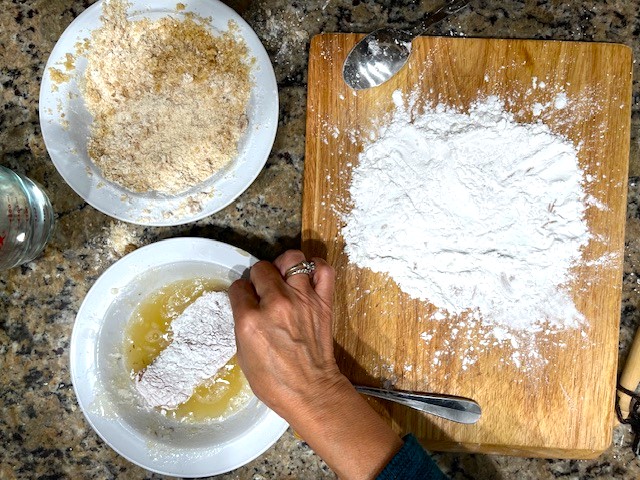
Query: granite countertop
(43, 434)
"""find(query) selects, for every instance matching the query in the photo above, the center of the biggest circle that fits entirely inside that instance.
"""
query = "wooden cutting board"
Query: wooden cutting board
(561, 409)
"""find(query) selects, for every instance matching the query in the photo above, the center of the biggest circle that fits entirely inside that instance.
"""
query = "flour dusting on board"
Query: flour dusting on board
(477, 214)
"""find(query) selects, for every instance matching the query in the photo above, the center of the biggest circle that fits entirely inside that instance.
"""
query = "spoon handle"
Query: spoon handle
(438, 15)
(457, 409)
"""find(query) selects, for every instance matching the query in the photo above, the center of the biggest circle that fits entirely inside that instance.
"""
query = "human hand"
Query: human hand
(283, 333)
(285, 349)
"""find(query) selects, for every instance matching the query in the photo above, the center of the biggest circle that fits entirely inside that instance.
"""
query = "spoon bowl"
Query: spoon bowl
(377, 58)
(381, 54)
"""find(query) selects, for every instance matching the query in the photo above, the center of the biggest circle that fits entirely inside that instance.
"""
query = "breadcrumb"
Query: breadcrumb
(168, 99)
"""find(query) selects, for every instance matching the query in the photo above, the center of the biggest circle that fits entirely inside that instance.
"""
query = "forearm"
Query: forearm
(346, 432)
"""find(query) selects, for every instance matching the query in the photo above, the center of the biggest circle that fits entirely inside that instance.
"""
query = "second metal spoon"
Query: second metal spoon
(457, 409)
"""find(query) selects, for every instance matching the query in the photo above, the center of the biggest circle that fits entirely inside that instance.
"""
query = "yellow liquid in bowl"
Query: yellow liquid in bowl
(148, 333)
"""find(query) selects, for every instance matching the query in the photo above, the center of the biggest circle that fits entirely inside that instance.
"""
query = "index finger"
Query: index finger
(266, 279)
(243, 298)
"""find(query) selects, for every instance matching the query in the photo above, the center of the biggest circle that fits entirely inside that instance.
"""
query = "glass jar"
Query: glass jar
(26, 219)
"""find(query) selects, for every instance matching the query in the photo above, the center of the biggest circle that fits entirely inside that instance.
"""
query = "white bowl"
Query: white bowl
(65, 122)
(106, 394)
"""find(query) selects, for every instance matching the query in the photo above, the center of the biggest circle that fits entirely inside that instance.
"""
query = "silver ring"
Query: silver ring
(302, 267)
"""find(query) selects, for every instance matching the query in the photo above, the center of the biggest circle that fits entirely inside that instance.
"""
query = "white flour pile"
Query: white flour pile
(473, 213)
(203, 342)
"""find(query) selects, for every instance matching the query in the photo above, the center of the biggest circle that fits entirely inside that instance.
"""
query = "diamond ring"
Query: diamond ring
(302, 267)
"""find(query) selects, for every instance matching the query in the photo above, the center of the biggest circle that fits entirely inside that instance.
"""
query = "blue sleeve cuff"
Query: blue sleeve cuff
(412, 462)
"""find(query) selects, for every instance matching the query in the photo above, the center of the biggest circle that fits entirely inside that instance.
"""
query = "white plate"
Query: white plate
(103, 387)
(65, 122)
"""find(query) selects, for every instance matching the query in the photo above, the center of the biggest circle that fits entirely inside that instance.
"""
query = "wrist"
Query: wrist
(316, 401)
(341, 427)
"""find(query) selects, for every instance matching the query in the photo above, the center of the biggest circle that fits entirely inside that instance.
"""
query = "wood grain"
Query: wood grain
(561, 409)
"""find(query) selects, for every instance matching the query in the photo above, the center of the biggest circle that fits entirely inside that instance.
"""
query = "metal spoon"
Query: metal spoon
(457, 409)
(381, 54)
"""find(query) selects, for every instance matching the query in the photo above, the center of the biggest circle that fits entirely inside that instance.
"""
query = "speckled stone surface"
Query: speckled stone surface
(43, 434)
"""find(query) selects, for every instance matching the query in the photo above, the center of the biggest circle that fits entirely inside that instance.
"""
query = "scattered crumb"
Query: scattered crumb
(58, 76)
(70, 62)
(120, 238)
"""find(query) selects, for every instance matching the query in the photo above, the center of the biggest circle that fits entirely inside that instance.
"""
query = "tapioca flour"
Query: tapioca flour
(473, 213)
